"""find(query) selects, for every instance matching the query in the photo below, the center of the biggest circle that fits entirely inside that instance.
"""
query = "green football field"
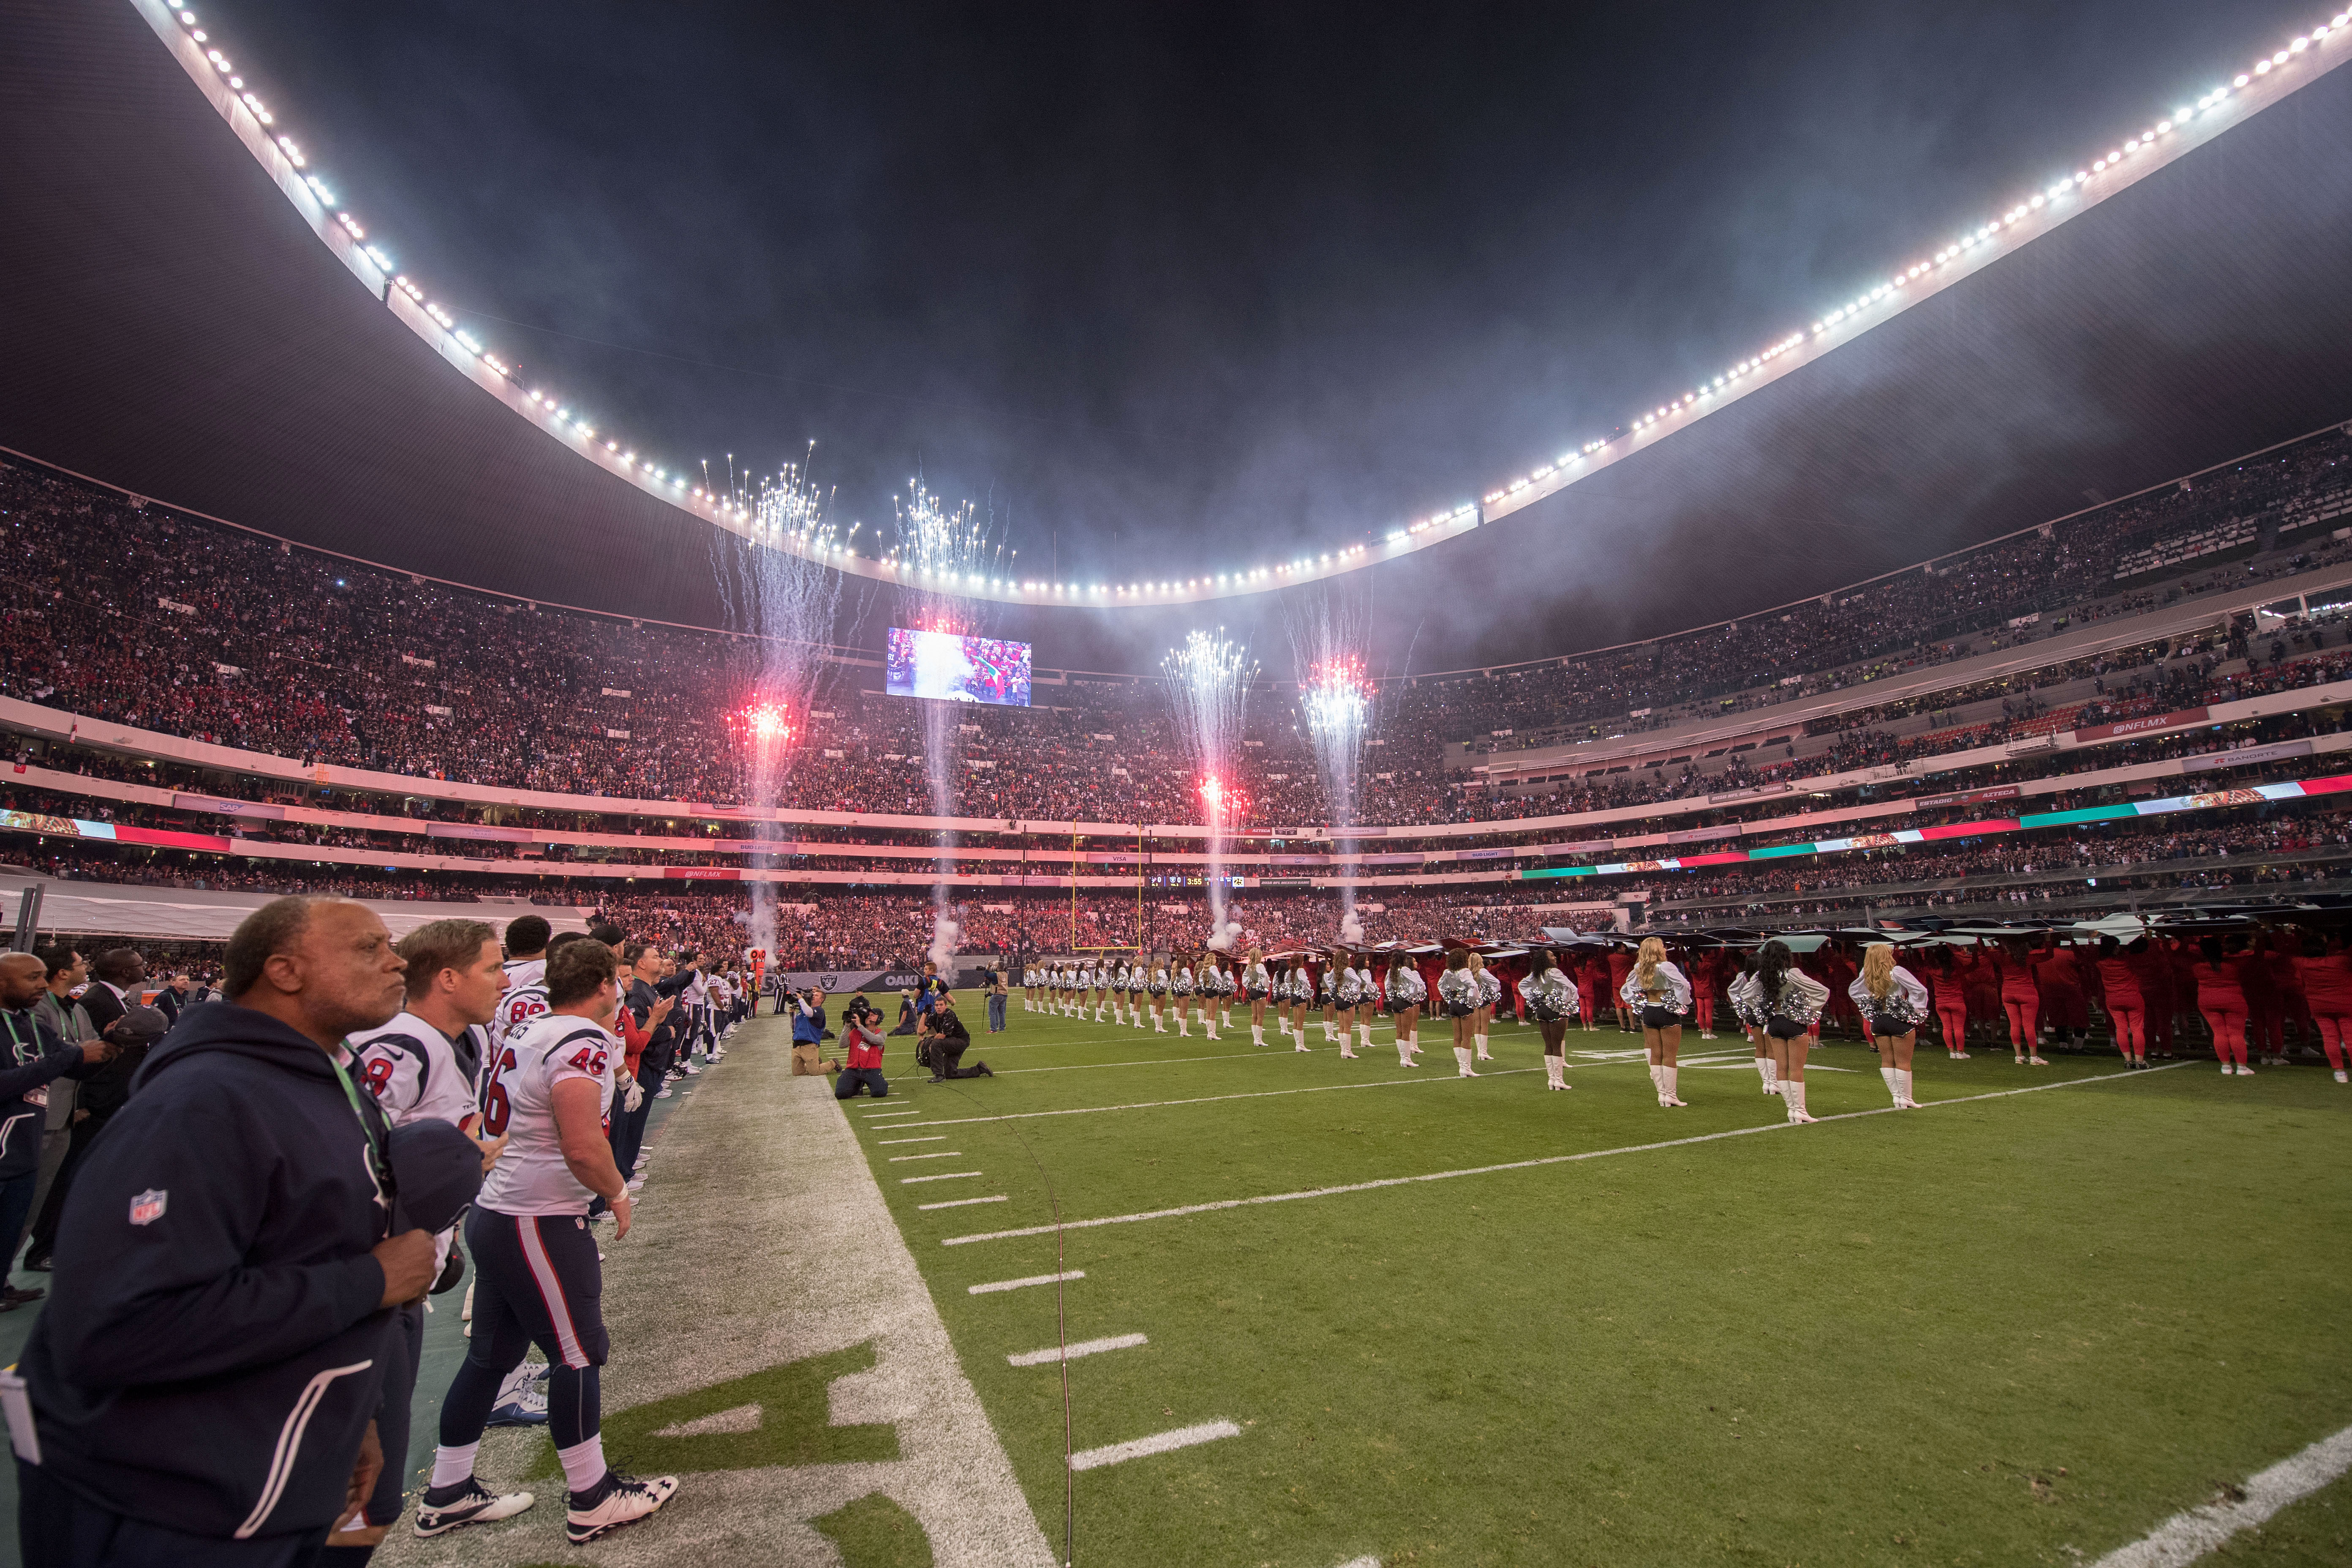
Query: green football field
(1422, 1320)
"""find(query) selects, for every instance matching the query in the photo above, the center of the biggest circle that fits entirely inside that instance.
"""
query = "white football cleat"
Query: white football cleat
(472, 1504)
(626, 1500)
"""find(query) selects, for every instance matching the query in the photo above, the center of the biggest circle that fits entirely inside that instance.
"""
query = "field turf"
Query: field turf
(2006, 1328)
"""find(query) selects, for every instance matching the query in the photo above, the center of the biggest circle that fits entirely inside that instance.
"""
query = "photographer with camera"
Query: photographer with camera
(943, 1042)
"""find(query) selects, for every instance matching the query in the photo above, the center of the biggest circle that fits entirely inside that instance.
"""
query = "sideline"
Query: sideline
(772, 1244)
(1186, 1209)
(2186, 1537)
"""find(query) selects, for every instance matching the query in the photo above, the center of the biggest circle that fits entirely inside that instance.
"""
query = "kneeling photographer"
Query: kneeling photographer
(943, 1041)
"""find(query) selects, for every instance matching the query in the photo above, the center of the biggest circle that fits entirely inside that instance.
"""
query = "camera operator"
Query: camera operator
(945, 1040)
(861, 1032)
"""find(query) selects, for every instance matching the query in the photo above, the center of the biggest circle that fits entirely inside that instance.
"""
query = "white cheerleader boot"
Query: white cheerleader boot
(1902, 1087)
(1657, 1083)
(1462, 1060)
(1793, 1095)
(1667, 1078)
(1364, 1035)
(1258, 1034)
(1184, 1026)
(1227, 1014)
(1159, 1023)
(1556, 1072)
(1415, 1045)
(1209, 1022)
(1404, 1050)
(1893, 1093)
(1770, 1070)
(1481, 1048)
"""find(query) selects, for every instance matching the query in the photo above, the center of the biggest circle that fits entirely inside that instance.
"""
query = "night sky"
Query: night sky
(1180, 287)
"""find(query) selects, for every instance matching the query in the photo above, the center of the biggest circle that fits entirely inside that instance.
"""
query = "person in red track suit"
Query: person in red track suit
(1948, 982)
(2221, 998)
(2327, 979)
(2127, 1005)
(2020, 1002)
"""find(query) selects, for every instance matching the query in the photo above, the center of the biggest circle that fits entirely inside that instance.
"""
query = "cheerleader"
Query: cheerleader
(1490, 992)
(1159, 989)
(1302, 992)
(1256, 985)
(1325, 999)
(1345, 990)
(1368, 1002)
(1549, 996)
(1789, 1002)
(1138, 981)
(1893, 1001)
(1180, 990)
(1659, 994)
(1405, 991)
(1101, 978)
(1029, 988)
(1216, 993)
(1458, 994)
(1751, 1024)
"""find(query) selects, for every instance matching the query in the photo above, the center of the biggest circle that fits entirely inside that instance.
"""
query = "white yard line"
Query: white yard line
(966, 1203)
(1433, 1077)
(2186, 1537)
(1158, 1442)
(1052, 1355)
(939, 1155)
(943, 1176)
(1024, 1284)
(939, 1139)
(1264, 1053)
(1518, 1164)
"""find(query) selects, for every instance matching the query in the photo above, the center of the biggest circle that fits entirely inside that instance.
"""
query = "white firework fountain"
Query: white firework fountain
(1329, 632)
(1208, 685)
(781, 597)
(941, 553)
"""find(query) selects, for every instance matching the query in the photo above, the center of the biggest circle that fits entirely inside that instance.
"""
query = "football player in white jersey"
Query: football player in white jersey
(420, 1067)
(526, 995)
(535, 1255)
(722, 1002)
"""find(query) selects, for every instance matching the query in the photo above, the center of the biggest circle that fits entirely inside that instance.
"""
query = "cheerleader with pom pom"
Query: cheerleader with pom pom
(1459, 995)
(1405, 993)
(1789, 1002)
(1893, 1001)
(1550, 999)
(1659, 994)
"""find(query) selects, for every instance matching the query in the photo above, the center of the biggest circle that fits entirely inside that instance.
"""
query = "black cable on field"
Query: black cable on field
(1061, 1332)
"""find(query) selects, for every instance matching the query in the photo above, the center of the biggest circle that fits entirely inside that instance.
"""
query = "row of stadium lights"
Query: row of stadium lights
(1983, 234)
(1352, 555)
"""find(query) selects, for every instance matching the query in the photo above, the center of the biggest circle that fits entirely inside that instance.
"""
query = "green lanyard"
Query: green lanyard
(16, 1041)
(367, 1127)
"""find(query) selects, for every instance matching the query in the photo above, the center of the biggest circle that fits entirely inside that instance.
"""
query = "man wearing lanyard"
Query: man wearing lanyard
(36, 1058)
(200, 1391)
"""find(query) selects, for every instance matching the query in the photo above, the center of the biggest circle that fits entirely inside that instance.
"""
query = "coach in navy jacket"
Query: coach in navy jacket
(204, 1381)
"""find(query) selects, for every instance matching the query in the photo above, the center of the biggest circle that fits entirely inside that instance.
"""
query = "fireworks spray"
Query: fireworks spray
(783, 597)
(1208, 685)
(942, 551)
(1327, 634)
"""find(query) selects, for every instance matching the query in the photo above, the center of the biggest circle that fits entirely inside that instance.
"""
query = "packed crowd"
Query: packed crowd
(214, 634)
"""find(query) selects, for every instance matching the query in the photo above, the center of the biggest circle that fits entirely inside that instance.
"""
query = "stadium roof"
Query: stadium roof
(175, 328)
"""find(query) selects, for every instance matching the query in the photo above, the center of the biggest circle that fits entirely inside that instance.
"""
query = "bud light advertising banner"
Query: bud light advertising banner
(953, 668)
